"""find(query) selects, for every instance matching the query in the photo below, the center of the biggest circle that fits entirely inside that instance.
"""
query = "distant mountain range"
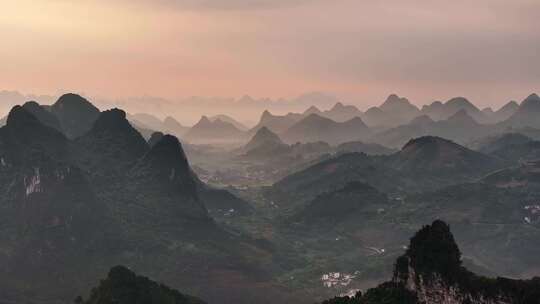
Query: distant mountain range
(315, 128)
(397, 120)
(526, 115)
(267, 145)
(151, 123)
(216, 131)
(391, 124)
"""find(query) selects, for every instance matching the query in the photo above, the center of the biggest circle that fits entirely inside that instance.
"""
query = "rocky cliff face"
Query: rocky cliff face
(436, 289)
(431, 268)
(430, 272)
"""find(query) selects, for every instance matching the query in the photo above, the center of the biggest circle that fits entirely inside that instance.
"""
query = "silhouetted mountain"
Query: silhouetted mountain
(147, 121)
(9, 99)
(340, 112)
(163, 174)
(392, 112)
(263, 137)
(399, 108)
(154, 138)
(425, 163)
(123, 286)
(434, 255)
(311, 110)
(48, 206)
(26, 133)
(173, 126)
(76, 114)
(275, 123)
(375, 117)
(230, 120)
(459, 127)
(442, 157)
(505, 111)
(43, 115)
(145, 131)
(265, 143)
(146, 124)
(317, 128)
(421, 120)
(111, 146)
(488, 112)
(463, 118)
(218, 131)
(440, 111)
(527, 115)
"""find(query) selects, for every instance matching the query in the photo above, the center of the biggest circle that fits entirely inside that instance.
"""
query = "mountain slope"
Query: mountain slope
(230, 120)
(43, 115)
(394, 111)
(426, 163)
(173, 126)
(147, 120)
(217, 131)
(506, 111)
(441, 156)
(75, 113)
(459, 127)
(275, 123)
(442, 111)
(111, 147)
(163, 174)
(399, 109)
(527, 115)
(340, 112)
(315, 128)
(263, 137)
(355, 200)
(264, 144)
(123, 286)
(48, 208)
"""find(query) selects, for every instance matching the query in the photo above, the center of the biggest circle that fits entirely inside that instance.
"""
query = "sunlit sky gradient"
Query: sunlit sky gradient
(487, 50)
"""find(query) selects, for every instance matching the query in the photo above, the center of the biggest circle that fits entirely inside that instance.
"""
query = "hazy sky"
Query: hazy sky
(487, 50)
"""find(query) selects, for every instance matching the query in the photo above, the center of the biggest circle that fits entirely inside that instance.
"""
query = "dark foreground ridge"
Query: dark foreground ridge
(431, 272)
(123, 286)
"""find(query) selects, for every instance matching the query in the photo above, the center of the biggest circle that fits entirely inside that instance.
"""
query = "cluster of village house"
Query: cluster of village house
(334, 279)
(533, 213)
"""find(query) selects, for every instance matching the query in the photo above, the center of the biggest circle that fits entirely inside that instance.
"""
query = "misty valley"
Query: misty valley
(395, 204)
